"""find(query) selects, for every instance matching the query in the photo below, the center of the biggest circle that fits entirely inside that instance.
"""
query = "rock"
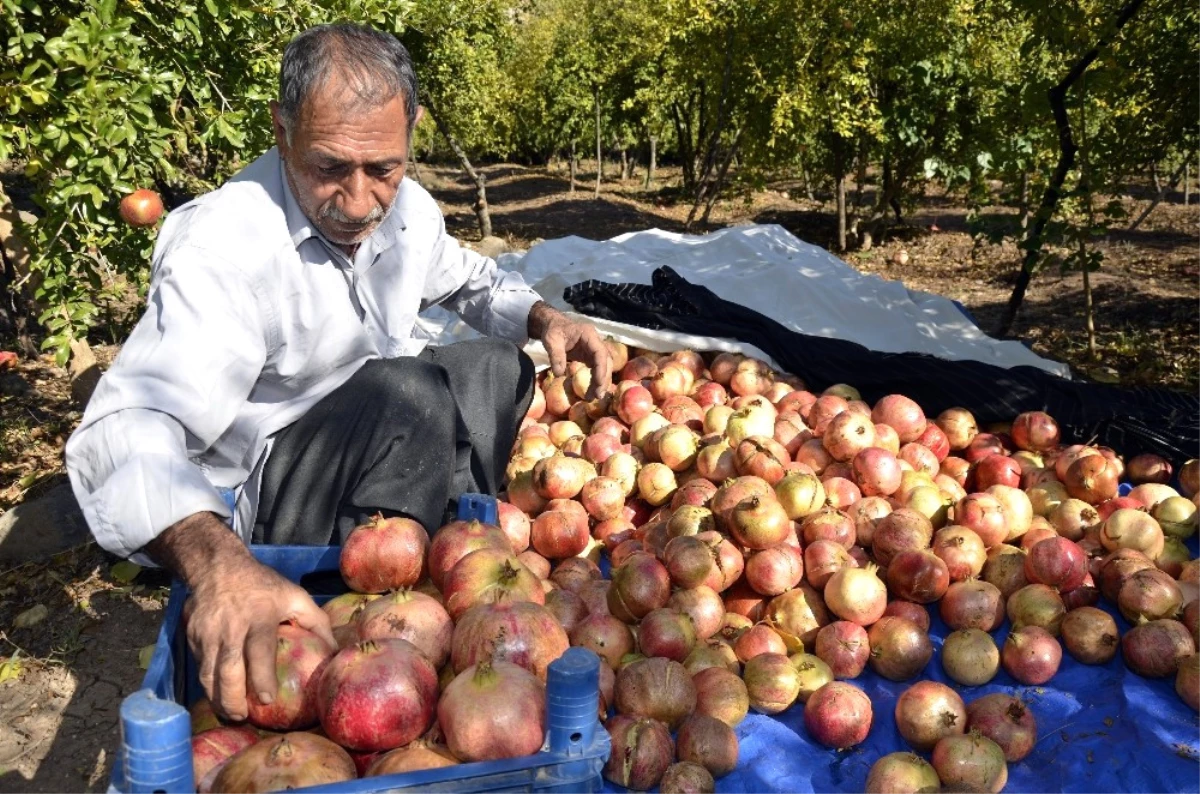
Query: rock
(84, 371)
(492, 247)
(41, 528)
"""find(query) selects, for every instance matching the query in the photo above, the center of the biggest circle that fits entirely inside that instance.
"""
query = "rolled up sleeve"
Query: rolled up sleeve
(494, 302)
(175, 388)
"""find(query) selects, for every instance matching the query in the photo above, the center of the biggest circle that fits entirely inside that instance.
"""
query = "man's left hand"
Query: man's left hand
(565, 339)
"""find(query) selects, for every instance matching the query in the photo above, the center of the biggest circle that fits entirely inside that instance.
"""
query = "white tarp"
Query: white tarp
(767, 269)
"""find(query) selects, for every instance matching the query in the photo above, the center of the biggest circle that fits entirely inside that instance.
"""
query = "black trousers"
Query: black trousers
(402, 436)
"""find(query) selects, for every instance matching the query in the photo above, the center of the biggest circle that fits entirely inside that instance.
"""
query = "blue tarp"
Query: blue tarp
(1100, 728)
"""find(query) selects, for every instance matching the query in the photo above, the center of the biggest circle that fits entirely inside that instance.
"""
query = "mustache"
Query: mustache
(331, 212)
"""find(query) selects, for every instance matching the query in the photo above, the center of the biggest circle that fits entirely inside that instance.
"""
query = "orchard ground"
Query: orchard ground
(79, 647)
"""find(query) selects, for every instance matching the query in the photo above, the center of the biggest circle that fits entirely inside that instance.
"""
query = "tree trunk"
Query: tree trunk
(573, 167)
(1024, 218)
(1154, 178)
(841, 210)
(477, 177)
(704, 182)
(1187, 180)
(716, 191)
(808, 191)
(861, 175)
(653, 162)
(1066, 160)
(599, 149)
(624, 164)
(1162, 192)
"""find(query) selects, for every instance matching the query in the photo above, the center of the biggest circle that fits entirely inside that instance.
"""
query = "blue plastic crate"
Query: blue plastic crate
(153, 718)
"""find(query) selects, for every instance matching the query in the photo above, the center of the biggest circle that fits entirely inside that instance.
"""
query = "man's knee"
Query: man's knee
(404, 387)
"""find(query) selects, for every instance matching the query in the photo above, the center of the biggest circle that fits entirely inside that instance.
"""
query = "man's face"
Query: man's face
(345, 162)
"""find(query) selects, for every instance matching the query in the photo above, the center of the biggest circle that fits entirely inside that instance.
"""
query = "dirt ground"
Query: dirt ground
(73, 632)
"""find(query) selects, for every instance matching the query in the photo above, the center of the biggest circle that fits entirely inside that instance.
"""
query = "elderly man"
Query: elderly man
(275, 383)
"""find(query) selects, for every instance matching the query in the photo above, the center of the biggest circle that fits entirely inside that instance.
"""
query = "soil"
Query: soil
(62, 679)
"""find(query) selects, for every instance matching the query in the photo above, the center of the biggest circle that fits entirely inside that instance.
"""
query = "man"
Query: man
(274, 382)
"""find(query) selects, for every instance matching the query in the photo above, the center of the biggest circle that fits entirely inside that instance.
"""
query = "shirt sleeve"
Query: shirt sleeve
(175, 388)
(494, 302)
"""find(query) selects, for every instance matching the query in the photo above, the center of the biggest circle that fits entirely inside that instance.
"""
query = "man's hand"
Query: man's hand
(566, 339)
(233, 614)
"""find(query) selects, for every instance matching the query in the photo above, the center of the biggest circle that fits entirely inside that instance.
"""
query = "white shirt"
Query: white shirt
(253, 317)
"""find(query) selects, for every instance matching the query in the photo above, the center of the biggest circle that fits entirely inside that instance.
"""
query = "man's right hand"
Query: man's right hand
(235, 608)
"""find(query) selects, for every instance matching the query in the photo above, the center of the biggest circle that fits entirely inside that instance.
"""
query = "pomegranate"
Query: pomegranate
(775, 570)
(899, 648)
(904, 415)
(920, 458)
(1007, 721)
(409, 615)
(866, 514)
(567, 608)
(798, 613)
(538, 565)
(1090, 635)
(772, 682)
(709, 742)
(1149, 594)
(1092, 478)
(828, 524)
(729, 562)
(973, 604)
(608, 637)
(800, 494)
(493, 709)
(688, 561)
(377, 695)
(902, 773)
(657, 688)
(486, 576)
(642, 751)
(1178, 517)
(640, 584)
(1056, 562)
(703, 605)
(667, 633)
(142, 207)
(519, 632)
(1187, 681)
(1189, 477)
(300, 658)
(959, 426)
(970, 657)
(213, 747)
(413, 757)
(1155, 649)
(721, 694)
(838, 715)
(901, 529)
(928, 711)
(983, 445)
(917, 575)
(876, 472)
(758, 639)
(970, 762)
(909, 611)
(1035, 431)
(289, 761)
(1005, 568)
(1037, 605)
(384, 554)
(983, 513)
(844, 647)
(961, 550)
(1031, 655)
(857, 595)
(759, 522)
(684, 777)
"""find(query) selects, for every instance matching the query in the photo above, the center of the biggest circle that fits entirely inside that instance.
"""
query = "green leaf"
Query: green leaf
(31, 617)
(125, 571)
(145, 656)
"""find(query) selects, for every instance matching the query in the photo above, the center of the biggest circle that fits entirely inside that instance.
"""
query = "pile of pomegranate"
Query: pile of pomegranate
(765, 545)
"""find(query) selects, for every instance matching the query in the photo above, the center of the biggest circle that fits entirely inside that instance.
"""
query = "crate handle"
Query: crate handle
(478, 507)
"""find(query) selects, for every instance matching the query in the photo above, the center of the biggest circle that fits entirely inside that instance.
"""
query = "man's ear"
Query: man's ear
(281, 138)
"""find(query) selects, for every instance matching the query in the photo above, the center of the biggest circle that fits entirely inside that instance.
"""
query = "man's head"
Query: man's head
(347, 106)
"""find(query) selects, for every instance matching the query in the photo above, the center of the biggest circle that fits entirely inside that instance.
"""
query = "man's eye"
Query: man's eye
(330, 170)
(382, 171)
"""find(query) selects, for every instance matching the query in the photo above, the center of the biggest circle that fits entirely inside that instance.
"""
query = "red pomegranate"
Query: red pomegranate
(290, 761)
(300, 657)
(486, 576)
(838, 715)
(491, 710)
(377, 695)
(384, 554)
(520, 632)
(409, 615)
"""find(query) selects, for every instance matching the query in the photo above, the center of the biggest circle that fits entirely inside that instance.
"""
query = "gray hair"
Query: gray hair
(374, 64)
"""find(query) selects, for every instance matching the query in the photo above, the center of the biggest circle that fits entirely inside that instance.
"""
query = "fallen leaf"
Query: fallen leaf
(125, 571)
(10, 669)
(31, 617)
(144, 656)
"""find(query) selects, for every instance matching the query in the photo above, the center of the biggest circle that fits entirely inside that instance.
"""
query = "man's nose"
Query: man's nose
(357, 202)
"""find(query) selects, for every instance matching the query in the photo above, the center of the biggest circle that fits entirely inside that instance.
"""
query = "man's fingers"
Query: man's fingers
(261, 642)
(556, 349)
(309, 616)
(602, 368)
(231, 679)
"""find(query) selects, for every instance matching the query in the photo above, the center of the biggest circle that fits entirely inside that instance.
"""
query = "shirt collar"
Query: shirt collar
(301, 228)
